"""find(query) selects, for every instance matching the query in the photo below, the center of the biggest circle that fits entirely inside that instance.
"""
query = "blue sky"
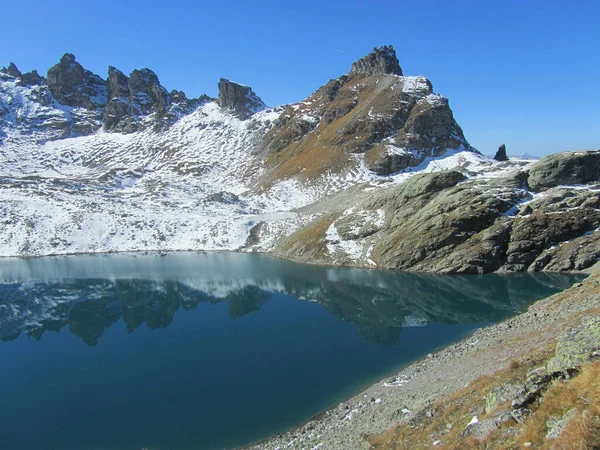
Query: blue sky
(524, 73)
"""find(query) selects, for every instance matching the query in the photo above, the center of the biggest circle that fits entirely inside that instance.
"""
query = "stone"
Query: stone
(556, 425)
(565, 168)
(501, 154)
(499, 395)
(576, 346)
(480, 430)
(380, 61)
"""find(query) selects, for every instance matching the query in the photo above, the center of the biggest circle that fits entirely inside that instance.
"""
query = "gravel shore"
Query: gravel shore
(393, 399)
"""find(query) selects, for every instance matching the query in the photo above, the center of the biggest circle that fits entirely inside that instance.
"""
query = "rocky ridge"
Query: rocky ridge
(449, 222)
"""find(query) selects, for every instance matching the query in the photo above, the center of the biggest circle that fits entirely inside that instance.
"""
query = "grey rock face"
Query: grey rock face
(72, 85)
(565, 168)
(381, 60)
(556, 425)
(499, 395)
(134, 98)
(239, 99)
(576, 346)
(429, 130)
(13, 71)
(117, 113)
(33, 78)
(146, 93)
(501, 154)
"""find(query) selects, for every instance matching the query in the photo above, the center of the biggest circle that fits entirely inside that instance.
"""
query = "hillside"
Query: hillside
(370, 170)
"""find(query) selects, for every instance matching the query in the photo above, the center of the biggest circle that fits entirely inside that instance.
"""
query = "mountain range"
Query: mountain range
(371, 170)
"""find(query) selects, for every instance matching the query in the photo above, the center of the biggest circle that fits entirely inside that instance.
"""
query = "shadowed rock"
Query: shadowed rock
(239, 99)
(501, 154)
(33, 78)
(380, 61)
(146, 93)
(72, 85)
(118, 108)
(13, 71)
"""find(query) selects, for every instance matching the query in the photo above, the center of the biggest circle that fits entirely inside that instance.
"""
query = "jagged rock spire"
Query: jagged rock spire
(501, 154)
(381, 61)
(240, 99)
(73, 85)
(13, 71)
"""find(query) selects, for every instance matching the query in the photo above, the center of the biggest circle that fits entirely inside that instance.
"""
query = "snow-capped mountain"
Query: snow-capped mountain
(89, 165)
(119, 164)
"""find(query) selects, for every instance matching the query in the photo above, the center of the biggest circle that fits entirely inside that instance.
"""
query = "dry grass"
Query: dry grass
(312, 240)
(326, 149)
(452, 413)
(582, 393)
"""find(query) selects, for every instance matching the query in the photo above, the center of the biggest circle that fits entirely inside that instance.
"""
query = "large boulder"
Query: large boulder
(565, 168)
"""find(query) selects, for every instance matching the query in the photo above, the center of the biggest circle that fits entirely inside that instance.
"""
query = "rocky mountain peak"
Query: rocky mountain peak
(13, 71)
(240, 99)
(67, 58)
(72, 85)
(381, 61)
(147, 94)
(29, 78)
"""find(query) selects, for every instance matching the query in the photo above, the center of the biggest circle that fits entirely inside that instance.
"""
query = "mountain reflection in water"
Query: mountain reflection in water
(88, 294)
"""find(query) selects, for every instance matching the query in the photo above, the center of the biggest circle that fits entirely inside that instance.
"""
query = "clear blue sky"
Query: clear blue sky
(525, 73)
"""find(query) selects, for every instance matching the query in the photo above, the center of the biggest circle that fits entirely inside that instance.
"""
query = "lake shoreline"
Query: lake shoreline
(400, 397)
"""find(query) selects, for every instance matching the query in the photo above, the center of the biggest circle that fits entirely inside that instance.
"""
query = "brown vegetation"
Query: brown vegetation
(444, 424)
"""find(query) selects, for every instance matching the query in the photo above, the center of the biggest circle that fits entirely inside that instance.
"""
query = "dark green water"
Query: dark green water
(207, 351)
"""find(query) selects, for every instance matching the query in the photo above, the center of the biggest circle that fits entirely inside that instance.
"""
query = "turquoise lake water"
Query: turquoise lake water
(194, 351)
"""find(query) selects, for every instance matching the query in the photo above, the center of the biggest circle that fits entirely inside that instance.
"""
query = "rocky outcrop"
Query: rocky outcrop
(139, 101)
(565, 169)
(121, 103)
(33, 78)
(576, 346)
(239, 99)
(438, 226)
(501, 154)
(381, 61)
(429, 131)
(118, 113)
(444, 222)
(146, 93)
(72, 85)
(12, 71)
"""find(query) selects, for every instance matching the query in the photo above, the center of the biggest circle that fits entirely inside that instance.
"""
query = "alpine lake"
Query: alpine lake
(194, 351)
